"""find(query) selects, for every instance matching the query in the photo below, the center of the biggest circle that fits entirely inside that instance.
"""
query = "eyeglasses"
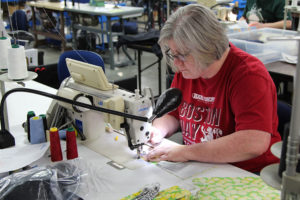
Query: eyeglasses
(179, 56)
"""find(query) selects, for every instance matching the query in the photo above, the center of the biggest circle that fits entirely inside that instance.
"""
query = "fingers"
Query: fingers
(155, 140)
(156, 136)
(156, 155)
(254, 24)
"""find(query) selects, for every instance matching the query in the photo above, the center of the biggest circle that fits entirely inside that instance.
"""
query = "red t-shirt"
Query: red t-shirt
(241, 96)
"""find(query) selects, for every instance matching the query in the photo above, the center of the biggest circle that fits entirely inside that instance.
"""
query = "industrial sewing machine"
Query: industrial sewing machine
(88, 84)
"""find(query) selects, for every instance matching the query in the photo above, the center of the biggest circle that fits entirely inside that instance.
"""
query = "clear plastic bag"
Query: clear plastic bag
(60, 182)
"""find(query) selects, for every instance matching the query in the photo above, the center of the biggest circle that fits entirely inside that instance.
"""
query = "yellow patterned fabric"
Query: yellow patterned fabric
(219, 188)
(234, 188)
(172, 193)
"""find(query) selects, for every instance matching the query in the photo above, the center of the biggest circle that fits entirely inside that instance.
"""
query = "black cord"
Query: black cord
(144, 119)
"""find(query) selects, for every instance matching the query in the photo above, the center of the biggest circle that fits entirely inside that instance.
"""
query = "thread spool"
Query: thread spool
(44, 124)
(71, 144)
(17, 66)
(29, 115)
(37, 132)
(55, 148)
(44, 121)
(4, 46)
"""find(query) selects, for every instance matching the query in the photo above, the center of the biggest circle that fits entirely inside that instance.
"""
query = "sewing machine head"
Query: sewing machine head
(88, 84)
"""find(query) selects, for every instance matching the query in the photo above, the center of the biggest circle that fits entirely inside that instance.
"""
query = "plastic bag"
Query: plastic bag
(59, 182)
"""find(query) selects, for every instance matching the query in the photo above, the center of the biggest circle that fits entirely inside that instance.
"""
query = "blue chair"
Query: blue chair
(19, 21)
(19, 29)
(80, 55)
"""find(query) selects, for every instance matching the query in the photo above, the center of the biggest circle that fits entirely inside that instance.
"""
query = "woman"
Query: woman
(266, 14)
(228, 109)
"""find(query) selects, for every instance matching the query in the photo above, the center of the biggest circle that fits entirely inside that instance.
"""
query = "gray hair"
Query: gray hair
(195, 28)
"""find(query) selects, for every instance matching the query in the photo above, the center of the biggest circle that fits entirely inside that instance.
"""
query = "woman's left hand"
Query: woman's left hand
(168, 152)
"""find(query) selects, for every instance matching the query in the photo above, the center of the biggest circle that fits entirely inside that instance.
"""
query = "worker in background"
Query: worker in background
(228, 109)
(266, 14)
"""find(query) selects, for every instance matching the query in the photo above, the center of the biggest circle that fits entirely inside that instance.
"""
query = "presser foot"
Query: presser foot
(139, 151)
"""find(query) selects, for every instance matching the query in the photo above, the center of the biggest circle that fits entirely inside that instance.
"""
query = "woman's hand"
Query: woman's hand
(257, 25)
(162, 127)
(156, 136)
(168, 152)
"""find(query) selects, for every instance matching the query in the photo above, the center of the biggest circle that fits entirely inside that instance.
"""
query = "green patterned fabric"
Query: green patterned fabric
(220, 188)
(172, 193)
(231, 188)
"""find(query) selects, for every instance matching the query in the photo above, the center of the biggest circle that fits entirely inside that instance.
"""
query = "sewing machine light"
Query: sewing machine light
(167, 101)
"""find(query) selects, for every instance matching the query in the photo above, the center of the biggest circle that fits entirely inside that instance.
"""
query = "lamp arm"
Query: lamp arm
(56, 97)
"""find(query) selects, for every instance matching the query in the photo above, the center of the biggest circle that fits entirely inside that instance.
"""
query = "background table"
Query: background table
(109, 11)
(283, 75)
(52, 7)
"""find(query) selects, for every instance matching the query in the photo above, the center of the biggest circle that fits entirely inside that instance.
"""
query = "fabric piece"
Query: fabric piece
(149, 192)
(241, 96)
(172, 193)
(231, 188)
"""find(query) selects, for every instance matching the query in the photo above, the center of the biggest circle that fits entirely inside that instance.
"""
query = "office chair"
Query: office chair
(19, 28)
(19, 20)
(81, 55)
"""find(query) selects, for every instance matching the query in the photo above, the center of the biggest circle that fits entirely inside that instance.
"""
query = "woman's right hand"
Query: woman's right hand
(156, 136)
(162, 127)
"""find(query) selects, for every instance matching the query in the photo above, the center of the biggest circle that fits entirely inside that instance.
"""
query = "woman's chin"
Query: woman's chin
(188, 75)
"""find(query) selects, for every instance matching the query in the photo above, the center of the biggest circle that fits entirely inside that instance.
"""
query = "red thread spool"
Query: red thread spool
(71, 144)
(55, 148)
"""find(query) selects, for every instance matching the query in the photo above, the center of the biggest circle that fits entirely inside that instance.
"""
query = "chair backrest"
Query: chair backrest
(284, 111)
(19, 21)
(80, 55)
